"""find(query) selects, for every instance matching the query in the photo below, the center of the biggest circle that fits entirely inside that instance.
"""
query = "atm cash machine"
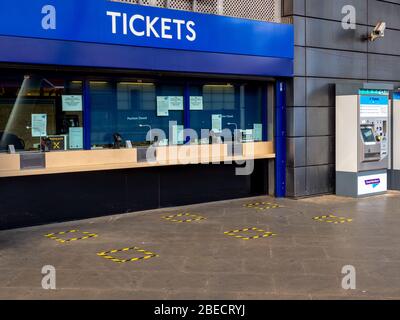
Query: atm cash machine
(362, 140)
(394, 172)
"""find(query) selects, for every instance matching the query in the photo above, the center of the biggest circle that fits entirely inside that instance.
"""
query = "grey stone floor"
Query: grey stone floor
(196, 260)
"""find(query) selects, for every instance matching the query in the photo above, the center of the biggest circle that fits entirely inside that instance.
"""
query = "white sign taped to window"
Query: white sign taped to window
(175, 103)
(196, 103)
(216, 122)
(72, 103)
(39, 124)
(162, 106)
(75, 138)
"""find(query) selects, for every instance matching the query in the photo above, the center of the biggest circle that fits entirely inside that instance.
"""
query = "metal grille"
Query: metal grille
(181, 4)
(206, 6)
(156, 3)
(266, 10)
(128, 1)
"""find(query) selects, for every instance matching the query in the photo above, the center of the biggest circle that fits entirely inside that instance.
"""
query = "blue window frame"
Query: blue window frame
(240, 106)
(131, 108)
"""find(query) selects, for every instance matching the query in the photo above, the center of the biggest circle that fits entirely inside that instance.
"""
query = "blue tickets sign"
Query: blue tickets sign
(106, 22)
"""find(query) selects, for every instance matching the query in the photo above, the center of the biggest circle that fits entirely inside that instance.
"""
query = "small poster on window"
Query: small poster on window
(71, 103)
(216, 122)
(177, 134)
(257, 132)
(176, 103)
(162, 106)
(57, 143)
(39, 125)
(196, 103)
(76, 138)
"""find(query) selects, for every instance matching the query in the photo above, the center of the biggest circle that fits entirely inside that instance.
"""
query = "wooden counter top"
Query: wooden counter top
(110, 159)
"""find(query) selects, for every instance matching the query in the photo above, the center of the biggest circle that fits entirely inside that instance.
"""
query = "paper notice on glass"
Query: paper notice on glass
(247, 135)
(257, 132)
(216, 122)
(76, 138)
(196, 103)
(39, 125)
(128, 144)
(71, 103)
(162, 106)
(176, 103)
(177, 134)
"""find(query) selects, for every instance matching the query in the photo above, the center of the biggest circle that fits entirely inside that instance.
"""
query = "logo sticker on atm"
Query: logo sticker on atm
(374, 182)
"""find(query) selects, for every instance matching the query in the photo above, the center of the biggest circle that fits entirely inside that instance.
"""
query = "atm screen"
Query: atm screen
(368, 135)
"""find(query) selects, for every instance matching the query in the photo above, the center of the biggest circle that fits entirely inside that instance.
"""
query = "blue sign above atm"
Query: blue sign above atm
(106, 22)
(374, 100)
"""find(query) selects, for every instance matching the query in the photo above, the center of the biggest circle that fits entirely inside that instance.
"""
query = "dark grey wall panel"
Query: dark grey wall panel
(296, 92)
(320, 121)
(331, 35)
(296, 122)
(384, 11)
(299, 31)
(336, 64)
(287, 8)
(396, 84)
(332, 9)
(330, 55)
(299, 7)
(299, 61)
(320, 150)
(321, 91)
(383, 67)
(320, 179)
(296, 182)
(296, 152)
(390, 44)
(293, 7)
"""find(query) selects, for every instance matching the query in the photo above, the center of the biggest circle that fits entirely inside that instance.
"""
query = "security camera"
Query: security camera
(378, 32)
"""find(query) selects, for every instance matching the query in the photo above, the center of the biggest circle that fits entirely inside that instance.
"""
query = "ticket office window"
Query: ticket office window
(131, 109)
(40, 113)
(237, 107)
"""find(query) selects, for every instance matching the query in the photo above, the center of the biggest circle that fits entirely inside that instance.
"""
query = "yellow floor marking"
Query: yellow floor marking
(262, 205)
(55, 236)
(239, 233)
(147, 255)
(332, 219)
(190, 217)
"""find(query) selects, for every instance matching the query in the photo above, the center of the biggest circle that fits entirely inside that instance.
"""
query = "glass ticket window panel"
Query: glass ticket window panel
(131, 109)
(32, 110)
(175, 119)
(231, 106)
(103, 110)
(136, 105)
